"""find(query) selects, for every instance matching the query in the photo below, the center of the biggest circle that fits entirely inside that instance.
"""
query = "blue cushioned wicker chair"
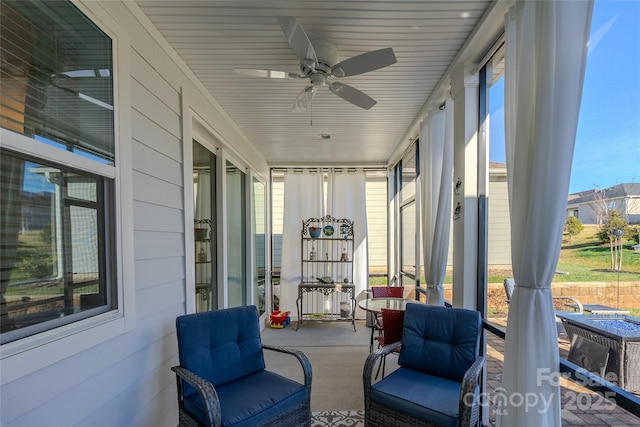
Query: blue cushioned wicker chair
(437, 381)
(222, 380)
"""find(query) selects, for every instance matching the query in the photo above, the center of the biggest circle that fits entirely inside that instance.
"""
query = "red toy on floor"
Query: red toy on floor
(280, 319)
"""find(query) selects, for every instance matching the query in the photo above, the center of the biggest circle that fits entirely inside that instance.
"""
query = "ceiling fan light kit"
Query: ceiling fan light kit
(318, 62)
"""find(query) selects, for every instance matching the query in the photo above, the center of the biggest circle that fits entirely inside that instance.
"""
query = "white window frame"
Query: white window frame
(25, 356)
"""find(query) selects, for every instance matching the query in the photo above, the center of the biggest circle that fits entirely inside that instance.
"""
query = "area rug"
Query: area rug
(337, 419)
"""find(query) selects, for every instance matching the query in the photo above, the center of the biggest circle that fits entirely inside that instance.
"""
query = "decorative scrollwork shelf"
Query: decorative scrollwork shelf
(326, 290)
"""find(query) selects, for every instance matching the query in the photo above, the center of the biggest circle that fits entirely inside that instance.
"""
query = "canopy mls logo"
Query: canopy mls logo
(501, 400)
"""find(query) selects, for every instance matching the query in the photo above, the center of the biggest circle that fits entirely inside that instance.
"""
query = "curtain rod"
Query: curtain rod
(367, 167)
(326, 168)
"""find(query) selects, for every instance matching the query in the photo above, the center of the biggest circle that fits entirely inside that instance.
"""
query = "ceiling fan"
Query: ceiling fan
(319, 63)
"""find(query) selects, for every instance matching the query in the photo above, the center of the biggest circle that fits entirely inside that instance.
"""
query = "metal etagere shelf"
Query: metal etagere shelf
(202, 237)
(326, 290)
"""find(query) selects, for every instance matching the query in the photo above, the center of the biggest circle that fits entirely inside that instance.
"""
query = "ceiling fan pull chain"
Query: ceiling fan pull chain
(311, 120)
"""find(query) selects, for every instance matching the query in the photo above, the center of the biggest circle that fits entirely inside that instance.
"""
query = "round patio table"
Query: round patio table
(375, 305)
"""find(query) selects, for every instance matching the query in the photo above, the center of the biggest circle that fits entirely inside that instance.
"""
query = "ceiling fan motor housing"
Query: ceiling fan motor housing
(327, 54)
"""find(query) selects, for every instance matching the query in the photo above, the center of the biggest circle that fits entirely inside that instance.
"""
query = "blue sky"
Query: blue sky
(607, 150)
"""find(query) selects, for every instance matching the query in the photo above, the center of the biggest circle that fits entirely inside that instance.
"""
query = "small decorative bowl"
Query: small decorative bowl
(315, 232)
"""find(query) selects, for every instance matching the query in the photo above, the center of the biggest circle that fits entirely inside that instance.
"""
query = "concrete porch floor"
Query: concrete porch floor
(337, 356)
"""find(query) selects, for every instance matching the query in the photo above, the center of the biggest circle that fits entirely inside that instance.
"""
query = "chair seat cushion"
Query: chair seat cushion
(251, 400)
(421, 395)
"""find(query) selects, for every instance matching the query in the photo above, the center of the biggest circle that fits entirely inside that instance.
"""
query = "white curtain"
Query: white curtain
(546, 49)
(202, 199)
(346, 198)
(436, 166)
(303, 198)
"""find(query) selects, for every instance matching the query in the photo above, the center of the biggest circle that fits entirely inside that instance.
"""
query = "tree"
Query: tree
(573, 226)
(612, 230)
(600, 205)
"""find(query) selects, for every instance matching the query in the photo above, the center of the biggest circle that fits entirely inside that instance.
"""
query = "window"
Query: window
(57, 175)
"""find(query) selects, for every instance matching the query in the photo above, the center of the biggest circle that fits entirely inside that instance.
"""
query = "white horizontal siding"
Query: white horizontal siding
(277, 218)
(149, 245)
(146, 132)
(377, 222)
(127, 380)
(499, 223)
(152, 162)
(147, 104)
(156, 191)
(157, 218)
(74, 388)
(151, 272)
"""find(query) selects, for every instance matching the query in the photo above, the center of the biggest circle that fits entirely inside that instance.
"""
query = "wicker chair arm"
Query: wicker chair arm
(302, 358)
(371, 361)
(469, 411)
(206, 390)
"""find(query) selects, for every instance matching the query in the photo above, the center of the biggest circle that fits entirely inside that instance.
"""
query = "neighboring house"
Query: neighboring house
(499, 223)
(592, 206)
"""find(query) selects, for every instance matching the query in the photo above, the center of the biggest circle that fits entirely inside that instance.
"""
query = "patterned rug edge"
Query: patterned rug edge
(337, 419)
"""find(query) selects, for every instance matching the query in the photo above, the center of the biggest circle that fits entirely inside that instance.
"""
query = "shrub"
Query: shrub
(613, 221)
(573, 226)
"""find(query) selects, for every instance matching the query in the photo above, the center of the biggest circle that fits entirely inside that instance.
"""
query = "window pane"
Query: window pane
(53, 226)
(57, 77)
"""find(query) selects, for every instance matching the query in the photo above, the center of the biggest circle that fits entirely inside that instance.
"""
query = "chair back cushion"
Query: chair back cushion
(440, 341)
(220, 346)
(387, 291)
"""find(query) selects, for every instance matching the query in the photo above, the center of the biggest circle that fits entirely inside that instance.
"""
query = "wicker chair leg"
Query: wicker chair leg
(373, 328)
(381, 365)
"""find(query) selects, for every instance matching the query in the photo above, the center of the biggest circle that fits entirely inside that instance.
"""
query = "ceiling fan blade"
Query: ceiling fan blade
(271, 74)
(364, 63)
(90, 73)
(304, 99)
(297, 38)
(84, 96)
(352, 95)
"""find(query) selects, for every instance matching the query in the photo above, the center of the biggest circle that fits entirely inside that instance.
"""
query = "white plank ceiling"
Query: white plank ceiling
(214, 37)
